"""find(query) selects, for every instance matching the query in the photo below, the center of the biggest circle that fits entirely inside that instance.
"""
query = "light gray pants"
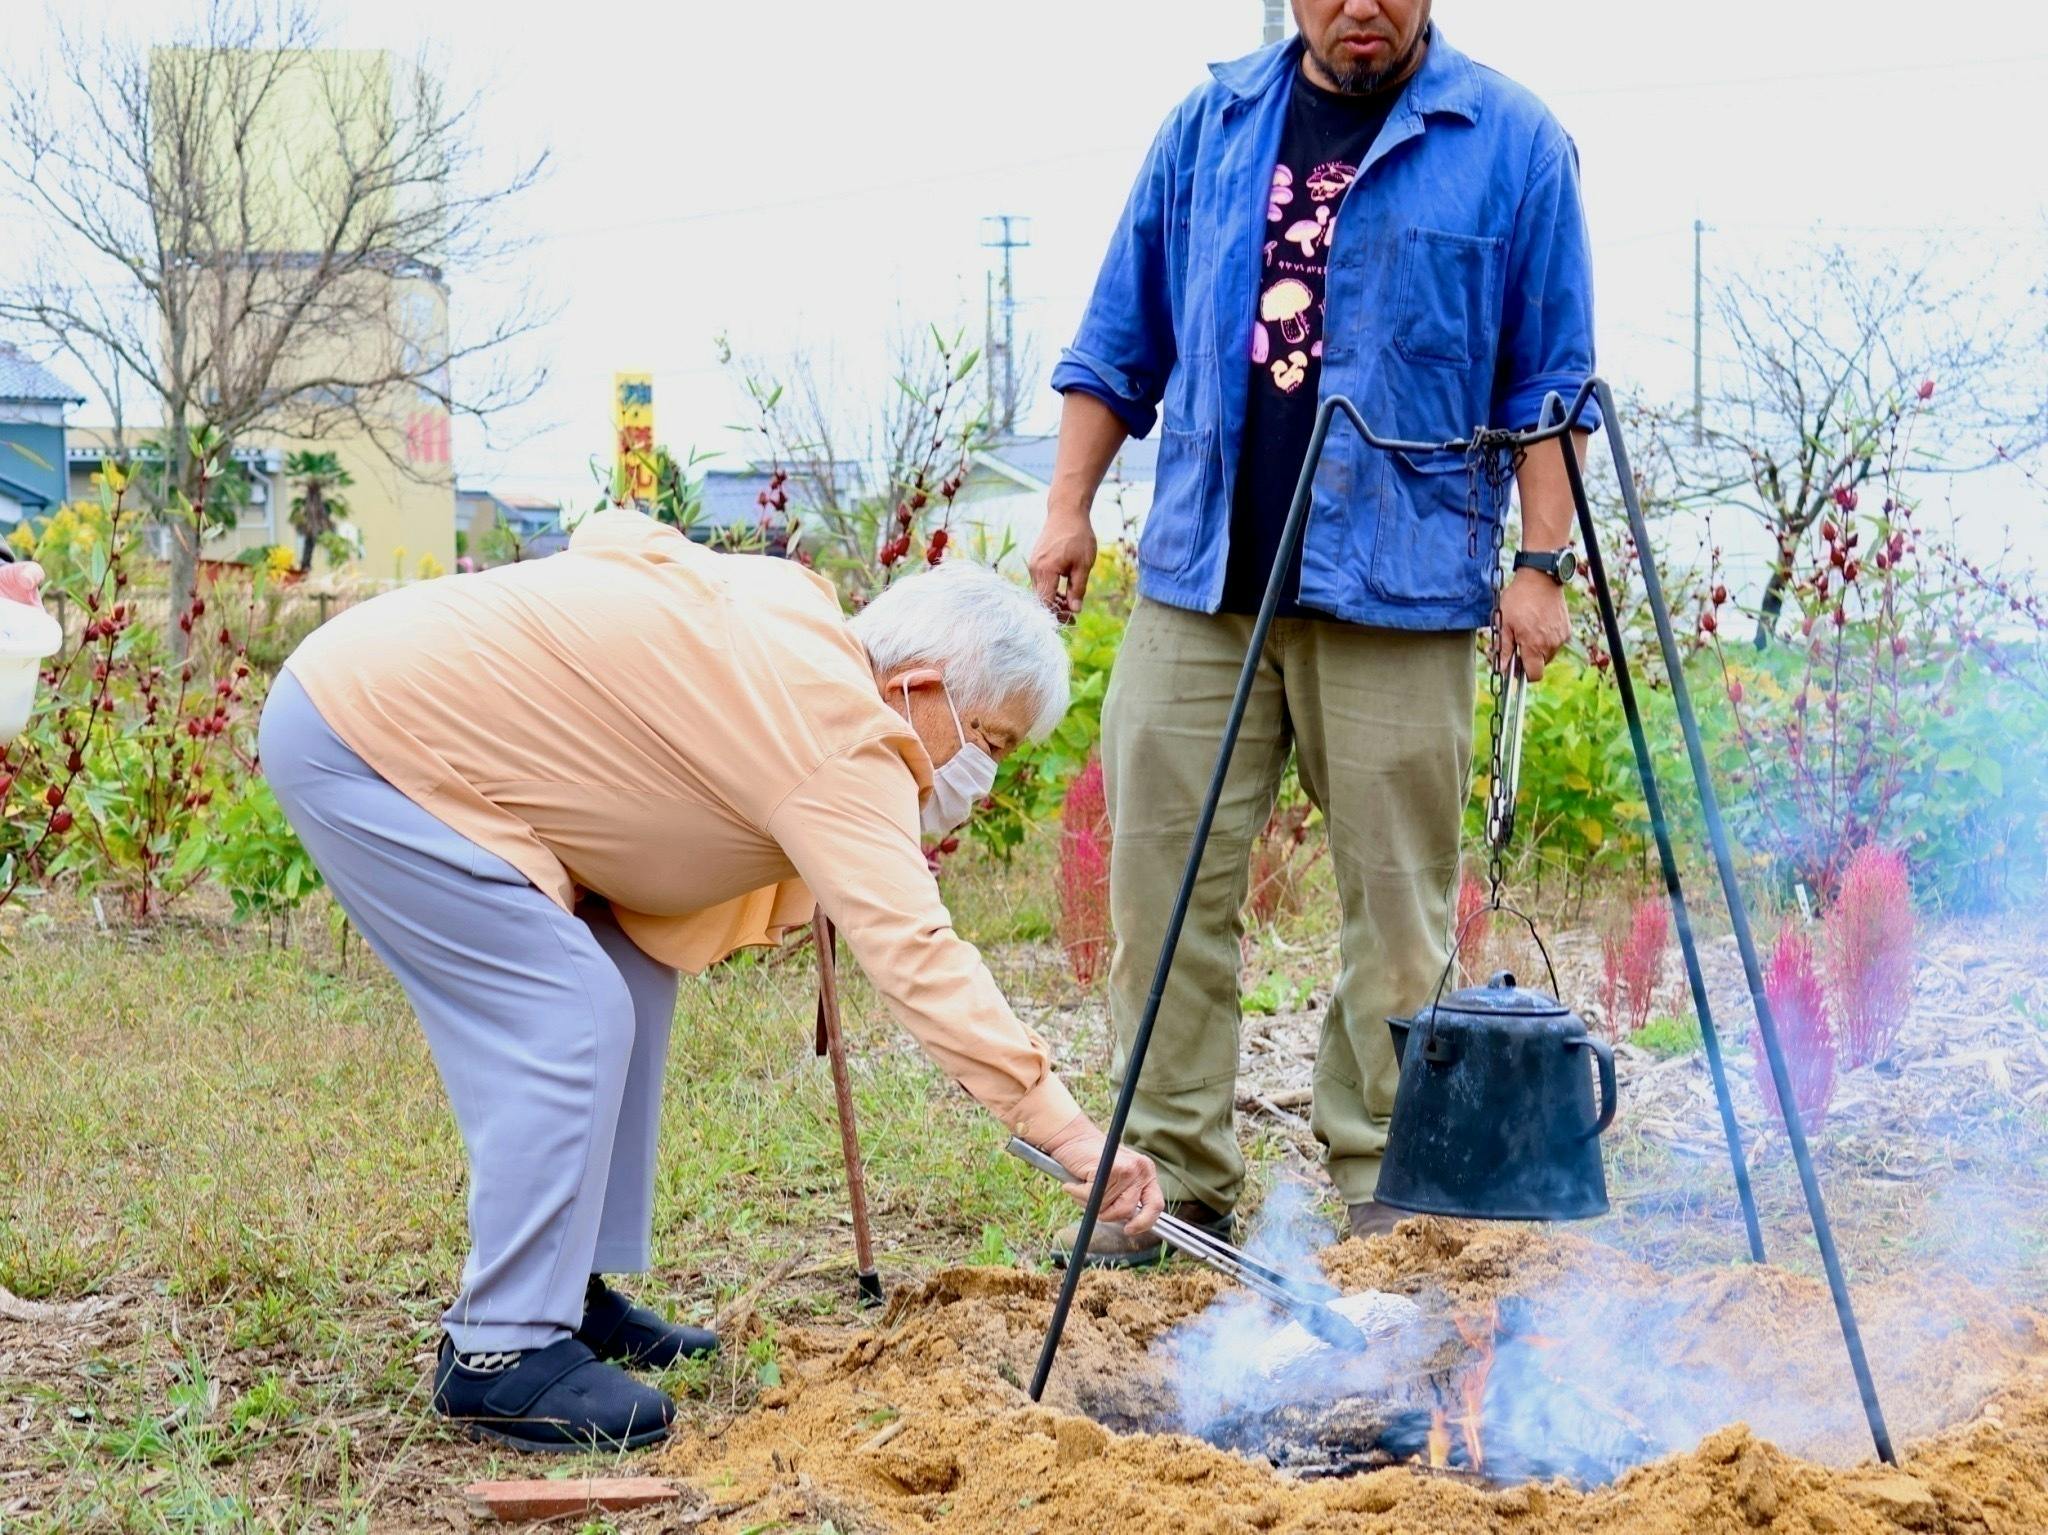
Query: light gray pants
(550, 1031)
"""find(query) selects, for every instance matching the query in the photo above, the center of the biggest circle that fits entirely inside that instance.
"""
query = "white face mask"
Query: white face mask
(960, 783)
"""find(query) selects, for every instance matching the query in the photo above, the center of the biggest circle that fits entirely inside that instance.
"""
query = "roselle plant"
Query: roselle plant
(859, 534)
(131, 744)
(1890, 714)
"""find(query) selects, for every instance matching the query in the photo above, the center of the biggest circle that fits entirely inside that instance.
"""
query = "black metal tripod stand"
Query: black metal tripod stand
(1558, 421)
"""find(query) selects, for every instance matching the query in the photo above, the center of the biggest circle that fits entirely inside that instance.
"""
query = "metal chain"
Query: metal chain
(1492, 462)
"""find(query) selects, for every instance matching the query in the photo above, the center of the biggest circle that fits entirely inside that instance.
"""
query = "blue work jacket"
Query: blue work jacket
(1459, 293)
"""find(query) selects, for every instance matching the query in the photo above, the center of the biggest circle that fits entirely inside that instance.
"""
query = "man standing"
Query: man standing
(1362, 211)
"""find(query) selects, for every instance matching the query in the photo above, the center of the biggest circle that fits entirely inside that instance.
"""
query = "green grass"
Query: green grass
(1666, 1037)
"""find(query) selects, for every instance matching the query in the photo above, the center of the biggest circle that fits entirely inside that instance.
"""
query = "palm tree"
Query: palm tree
(316, 508)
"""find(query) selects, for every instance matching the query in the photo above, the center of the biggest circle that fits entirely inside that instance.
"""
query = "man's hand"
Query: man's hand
(1061, 560)
(22, 583)
(1533, 622)
(1133, 1198)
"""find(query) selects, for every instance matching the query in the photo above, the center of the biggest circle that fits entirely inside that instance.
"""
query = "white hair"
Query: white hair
(993, 639)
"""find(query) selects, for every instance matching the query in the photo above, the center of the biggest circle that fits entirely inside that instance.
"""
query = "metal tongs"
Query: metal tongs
(1303, 1302)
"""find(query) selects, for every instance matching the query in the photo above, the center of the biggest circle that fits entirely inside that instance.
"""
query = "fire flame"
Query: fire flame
(1439, 1438)
(1478, 1330)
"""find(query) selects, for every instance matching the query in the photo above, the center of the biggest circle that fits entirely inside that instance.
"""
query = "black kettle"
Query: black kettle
(1494, 1118)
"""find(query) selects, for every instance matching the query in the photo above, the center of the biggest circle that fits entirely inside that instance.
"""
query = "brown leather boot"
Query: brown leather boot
(1373, 1219)
(1113, 1247)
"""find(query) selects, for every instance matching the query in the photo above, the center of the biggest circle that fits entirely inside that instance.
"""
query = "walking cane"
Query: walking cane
(832, 1045)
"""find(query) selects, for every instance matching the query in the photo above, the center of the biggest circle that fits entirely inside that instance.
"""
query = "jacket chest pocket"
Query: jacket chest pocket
(1445, 297)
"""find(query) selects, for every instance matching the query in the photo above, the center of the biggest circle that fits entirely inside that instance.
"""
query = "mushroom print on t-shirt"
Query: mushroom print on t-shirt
(1326, 138)
(1291, 304)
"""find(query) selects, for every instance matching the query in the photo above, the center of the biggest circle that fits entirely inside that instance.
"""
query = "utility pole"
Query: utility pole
(1008, 233)
(1699, 369)
(1276, 19)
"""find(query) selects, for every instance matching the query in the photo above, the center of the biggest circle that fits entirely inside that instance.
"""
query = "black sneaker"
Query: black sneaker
(1113, 1247)
(618, 1330)
(559, 1398)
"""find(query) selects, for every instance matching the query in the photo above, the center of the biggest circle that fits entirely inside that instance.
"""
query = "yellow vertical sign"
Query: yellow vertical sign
(633, 419)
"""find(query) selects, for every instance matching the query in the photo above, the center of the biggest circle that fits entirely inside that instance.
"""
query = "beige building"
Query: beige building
(286, 175)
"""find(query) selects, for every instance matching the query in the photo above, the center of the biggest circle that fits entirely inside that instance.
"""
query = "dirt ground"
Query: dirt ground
(921, 1423)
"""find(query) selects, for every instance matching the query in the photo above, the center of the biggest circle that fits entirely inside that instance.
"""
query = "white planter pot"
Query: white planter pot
(28, 637)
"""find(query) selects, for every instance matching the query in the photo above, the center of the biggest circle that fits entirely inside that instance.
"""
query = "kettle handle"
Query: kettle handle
(1610, 1100)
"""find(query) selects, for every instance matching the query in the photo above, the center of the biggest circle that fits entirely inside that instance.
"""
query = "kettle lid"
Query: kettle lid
(1501, 996)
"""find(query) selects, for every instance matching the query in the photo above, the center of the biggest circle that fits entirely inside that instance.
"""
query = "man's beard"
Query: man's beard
(1364, 79)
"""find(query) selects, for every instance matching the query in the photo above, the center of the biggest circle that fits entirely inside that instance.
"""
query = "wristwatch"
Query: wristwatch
(1558, 564)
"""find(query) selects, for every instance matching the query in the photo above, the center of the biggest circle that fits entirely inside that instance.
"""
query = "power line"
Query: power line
(873, 189)
(1796, 76)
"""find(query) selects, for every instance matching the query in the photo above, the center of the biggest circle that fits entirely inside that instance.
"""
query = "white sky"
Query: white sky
(799, 172)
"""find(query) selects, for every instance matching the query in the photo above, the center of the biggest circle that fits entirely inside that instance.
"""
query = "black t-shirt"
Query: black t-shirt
(1325, 140)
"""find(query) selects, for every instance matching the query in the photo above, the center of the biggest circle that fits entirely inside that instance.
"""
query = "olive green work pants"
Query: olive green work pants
(1380, 721)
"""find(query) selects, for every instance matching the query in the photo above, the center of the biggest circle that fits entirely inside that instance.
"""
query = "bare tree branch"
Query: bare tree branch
(258, 233)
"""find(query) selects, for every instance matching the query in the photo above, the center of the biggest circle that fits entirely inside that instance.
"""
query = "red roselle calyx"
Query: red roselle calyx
(1851, 570)
(60, 822)
(1720, 594)
(935, 546)
(1735, 690)
(54, 795)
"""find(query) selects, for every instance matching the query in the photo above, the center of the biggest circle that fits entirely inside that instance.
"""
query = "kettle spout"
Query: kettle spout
(1398, 1027)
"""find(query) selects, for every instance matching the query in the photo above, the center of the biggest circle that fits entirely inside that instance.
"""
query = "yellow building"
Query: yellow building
(284, 169)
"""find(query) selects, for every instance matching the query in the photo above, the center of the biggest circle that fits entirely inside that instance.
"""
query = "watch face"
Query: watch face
(1567, 567)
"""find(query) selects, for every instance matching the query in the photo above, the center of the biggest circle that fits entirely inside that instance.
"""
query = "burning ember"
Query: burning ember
(1479, 1395)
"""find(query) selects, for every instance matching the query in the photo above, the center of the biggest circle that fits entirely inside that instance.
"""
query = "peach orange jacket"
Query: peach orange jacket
(696, 737)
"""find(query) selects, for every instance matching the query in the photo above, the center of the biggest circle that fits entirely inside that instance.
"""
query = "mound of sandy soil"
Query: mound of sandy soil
(922, 1423)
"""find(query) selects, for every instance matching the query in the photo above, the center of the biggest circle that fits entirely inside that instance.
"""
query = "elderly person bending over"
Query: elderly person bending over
(541, 791)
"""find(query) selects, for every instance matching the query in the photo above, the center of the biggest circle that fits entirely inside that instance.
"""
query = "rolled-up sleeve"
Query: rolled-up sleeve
(1547, 323)
(850, 830)
(1124, 350)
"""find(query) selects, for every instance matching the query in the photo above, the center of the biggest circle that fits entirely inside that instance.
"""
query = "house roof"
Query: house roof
(30, 383)
(1029, 460)
(513, 500)
(731, 496)
(22, 495)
